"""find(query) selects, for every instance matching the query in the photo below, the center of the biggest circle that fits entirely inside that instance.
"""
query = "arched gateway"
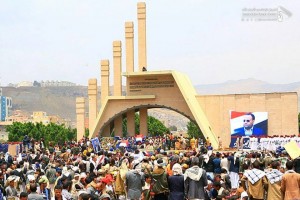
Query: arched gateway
(169, 89)
(173, 90)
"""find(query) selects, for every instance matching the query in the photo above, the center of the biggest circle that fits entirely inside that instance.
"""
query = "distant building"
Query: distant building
(47, 83)
(56, 83)
(60, 121)
(12, 85)
(25, 84)
(5, 107)
(40, 116)
(36, 117)
(18, 116)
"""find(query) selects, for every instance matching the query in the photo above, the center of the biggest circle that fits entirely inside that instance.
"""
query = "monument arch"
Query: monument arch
(171, 89)
(136, 109)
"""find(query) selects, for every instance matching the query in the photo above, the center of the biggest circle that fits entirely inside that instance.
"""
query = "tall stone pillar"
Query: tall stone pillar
(106, 131)
(142, 51)
(143, 121)
(80, 112)
(105, 90)
(104, 80)
(142, 58)
(117, 57)
(129, 43)
(130, 123)
(118, 123)
(92, 92)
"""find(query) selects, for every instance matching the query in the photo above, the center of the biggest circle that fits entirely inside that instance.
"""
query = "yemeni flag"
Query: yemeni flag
(139, 138)
(124, 143)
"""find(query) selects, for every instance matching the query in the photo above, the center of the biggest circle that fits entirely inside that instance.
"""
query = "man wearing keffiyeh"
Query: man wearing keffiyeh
(274, 177)
(256, 179)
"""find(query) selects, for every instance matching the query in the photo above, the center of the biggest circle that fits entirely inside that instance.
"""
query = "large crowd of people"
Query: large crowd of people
(175, 168)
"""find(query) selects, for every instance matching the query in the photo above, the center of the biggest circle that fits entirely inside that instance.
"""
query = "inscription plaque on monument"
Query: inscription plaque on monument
(148, 84)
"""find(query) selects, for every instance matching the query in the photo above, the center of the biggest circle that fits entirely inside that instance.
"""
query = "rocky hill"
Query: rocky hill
(61, 100)
(53, 100)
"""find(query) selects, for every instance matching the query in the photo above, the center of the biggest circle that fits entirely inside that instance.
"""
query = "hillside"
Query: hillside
(53, 100)
(61, 100)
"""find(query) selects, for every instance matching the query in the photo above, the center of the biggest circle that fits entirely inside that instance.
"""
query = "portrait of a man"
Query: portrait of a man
(96, 144)
(248, 128)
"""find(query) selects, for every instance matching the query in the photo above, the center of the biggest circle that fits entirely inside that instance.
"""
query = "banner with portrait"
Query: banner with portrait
(247, 124)
(96, 144)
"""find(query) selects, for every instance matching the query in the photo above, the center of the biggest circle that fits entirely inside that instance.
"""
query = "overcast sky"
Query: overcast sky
(65, 40)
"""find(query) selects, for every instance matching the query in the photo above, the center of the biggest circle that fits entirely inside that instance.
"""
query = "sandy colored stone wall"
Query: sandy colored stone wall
(164, 88)
(282, 111)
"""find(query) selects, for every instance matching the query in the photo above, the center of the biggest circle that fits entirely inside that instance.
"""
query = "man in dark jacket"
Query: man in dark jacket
(297, 165)
(176, 183)
(217, 164)
(209, 167)
(26, 142)
(194, 181)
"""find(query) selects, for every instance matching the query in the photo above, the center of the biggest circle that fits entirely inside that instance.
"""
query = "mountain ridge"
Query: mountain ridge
(244, 86)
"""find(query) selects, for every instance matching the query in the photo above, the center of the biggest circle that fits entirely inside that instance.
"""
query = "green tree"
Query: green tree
(51, 132)
(137, 123)
(155, 127)
(193, 130)
(86, 133)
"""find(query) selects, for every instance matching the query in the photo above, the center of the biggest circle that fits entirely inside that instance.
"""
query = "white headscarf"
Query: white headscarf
(6, 156)
(137, 167)
(31, 177)
(177, 169)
